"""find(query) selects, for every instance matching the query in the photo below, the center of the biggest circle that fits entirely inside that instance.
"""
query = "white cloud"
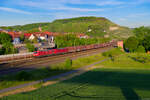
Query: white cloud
(14, 10)
(95, 2)
(54, 5)
(110, 2)
(76, 9)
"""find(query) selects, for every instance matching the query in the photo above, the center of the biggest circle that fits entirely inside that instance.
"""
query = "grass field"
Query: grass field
(41, 73)
(126, 77)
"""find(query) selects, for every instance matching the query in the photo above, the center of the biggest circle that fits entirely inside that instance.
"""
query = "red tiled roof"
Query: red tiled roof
(14, 34)
(27, 35)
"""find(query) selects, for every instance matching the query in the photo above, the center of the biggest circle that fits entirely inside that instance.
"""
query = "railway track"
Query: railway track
(34, 63)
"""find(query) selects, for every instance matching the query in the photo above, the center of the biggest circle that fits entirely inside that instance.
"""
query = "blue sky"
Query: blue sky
(131, 13)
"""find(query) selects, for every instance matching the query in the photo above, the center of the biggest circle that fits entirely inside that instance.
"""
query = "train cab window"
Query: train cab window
(35, 52)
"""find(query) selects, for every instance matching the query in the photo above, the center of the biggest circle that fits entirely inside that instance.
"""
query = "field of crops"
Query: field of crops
(126, 77)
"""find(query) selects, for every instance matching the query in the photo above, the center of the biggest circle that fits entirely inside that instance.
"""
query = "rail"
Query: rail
(24, 56)
(13, 55)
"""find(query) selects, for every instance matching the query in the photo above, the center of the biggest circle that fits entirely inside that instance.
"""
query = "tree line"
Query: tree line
(72, 40)
(7, 46)
(140, 42)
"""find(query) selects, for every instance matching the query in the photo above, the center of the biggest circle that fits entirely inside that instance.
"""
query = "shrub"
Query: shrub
(112, 52)
(23, 75)
(68, 63)
(140, 49)
(8, 48)
(146, 43)
(131, 44)
(30, 47)
(4, 38)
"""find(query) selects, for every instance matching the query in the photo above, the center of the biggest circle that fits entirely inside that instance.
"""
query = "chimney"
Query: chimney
(40, 29)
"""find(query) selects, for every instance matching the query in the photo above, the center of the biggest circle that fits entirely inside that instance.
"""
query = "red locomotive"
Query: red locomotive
(71, 49)
(50, 52)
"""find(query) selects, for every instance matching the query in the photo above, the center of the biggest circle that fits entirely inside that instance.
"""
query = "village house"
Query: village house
(49, 36)
(27, 35)
(15, 37)
(40, 35)
(32, 37)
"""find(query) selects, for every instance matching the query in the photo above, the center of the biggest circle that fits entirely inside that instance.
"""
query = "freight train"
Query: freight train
(72, 49)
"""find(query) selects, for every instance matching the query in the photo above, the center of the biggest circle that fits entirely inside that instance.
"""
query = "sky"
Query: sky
(130, 13)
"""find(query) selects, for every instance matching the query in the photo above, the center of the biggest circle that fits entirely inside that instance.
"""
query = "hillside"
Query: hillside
(93, 26)
(28, 27)
(148, 27)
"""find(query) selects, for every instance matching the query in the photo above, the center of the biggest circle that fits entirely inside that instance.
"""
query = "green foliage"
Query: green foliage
(79, 19)
(146, 43)
(22, 38)
(140, 58)
(107, 83)
(99, 25)
(23, 75)
(68, 63)
(30, 47)
(8, 48)
(1, 51)
(131, 44)
(29, 27)
(4, 38)
(77, 25)
(97, 30)
(140, 49)
(71, 40)
(45, 72)
(141, 32)
(113, 52)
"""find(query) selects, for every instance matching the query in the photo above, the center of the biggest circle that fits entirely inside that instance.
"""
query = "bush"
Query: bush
(8, 48)
(131, 44)
(4, 38)
(140, 49)
(1, 51)
(72, 40)
(23, 75)
(112, 52)
(30, 47)
(146, 43)
(68, 63)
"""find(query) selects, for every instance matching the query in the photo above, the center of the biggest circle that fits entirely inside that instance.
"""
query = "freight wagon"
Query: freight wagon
(72, 49)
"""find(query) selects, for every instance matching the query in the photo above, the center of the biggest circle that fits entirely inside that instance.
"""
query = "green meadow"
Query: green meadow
(124, 77)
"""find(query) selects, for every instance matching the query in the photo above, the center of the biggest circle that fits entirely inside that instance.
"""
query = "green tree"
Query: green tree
(1, 51)
(22, 38)
(8, 48)
(131, 44)
(68, 63)
(146, 43)
(141, 32)
(71, 40)
(4, 38)
(140, 49)
(30, 47)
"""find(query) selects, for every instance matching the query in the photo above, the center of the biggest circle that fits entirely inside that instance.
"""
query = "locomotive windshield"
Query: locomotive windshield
(35, 52)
